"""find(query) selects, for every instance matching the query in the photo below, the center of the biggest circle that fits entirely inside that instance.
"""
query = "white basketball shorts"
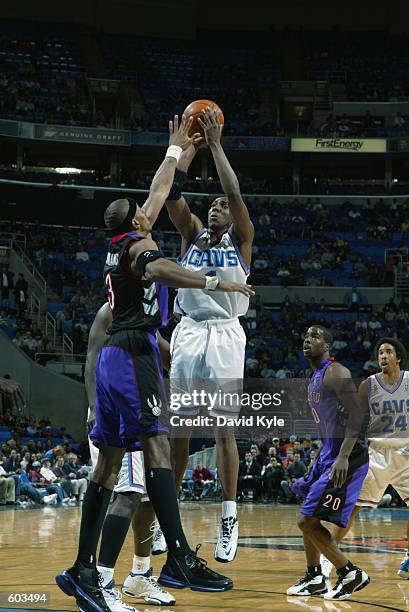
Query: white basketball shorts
(387, 466)
(131, 477)
(209, 352)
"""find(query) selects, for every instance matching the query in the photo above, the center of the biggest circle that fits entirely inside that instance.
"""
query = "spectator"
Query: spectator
(249, 476)
(353, 299)
(272, 476)
(77, 476)
(21, 295)
(7, 488)
(7, 284)
(295, 470)
(50, 478)
(201, 479)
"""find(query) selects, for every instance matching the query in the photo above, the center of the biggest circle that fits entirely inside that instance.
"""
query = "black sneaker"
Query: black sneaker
(309, 585)
(355, 580)
(191, 571)
(83, 583)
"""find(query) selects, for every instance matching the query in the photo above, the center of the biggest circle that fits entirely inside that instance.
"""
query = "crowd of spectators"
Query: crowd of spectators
(39, 464)
(44, 78)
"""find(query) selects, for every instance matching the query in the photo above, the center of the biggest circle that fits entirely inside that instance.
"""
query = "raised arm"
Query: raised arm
(186, 223)
(148, 263)
(242, 225)
(163, 179)
(96, 339)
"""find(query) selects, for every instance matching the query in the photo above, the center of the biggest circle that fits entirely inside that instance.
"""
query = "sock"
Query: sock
(314, 570)
(141, 565)
(107, 574)
(113, 537)
(160, 486)
(94, 509)
(343, 571)
(229, 508)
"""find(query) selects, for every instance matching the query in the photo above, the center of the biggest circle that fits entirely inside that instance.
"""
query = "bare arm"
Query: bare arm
(186, 223)
(164, 349)
(96, 339)
(163, 179)
(168, 273)
(242, 225)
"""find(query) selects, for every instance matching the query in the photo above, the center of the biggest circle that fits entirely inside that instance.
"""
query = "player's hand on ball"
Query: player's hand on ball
(339, 471)
(231, 287)
(211, 126)
(179, 134)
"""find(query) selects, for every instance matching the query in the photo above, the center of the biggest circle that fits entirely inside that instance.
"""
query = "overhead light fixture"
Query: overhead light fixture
(68, 170)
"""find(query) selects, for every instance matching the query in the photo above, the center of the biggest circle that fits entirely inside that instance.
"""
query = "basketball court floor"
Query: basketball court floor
(36, 544)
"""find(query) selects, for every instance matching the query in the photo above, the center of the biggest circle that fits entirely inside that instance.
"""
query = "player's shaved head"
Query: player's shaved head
(116, 213)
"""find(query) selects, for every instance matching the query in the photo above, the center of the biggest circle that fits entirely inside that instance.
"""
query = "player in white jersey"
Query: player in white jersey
(209, 342)
(386, 396)
(129, 503)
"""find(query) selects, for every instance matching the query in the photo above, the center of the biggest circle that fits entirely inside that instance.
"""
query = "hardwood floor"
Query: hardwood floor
(37, 544)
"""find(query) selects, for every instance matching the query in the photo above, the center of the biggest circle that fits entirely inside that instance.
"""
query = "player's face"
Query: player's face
(314, 343)
(387, 357)
(140, 222)
(219, 214)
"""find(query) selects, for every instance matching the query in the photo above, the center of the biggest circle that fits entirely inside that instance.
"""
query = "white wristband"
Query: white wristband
(212, 282)
(174, 151)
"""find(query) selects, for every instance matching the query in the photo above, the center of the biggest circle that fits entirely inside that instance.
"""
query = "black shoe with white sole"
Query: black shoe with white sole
(355, 580)
(310, 584)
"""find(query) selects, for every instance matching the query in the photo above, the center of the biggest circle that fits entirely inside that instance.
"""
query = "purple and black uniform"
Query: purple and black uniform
(128, 373)
(321, 498)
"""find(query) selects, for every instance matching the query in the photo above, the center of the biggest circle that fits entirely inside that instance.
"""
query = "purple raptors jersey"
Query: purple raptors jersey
(329, 414)
(135, 303)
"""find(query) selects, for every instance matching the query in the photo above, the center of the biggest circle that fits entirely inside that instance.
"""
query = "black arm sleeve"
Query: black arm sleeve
(178, 183)
(145, 258)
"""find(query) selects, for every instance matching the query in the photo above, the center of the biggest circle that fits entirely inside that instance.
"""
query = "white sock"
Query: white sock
(107, 574)
(229, 508)
(140, 565)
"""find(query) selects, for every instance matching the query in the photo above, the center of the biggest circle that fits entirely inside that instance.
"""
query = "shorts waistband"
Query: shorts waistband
(211, 322)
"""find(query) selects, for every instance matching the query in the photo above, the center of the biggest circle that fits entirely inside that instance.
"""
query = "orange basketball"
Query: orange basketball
(195, 110)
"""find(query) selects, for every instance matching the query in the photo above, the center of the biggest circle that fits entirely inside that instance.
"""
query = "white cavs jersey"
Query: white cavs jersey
(389, 411)
(222, 260)
(388, 440)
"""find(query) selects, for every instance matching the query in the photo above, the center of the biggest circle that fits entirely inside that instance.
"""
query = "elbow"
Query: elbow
(151, 273)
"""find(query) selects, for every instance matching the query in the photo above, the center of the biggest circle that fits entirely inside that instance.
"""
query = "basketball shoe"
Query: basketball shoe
(189, 571)
(310, 584)
(113, 599)
(159, 545)
(146, 587)
(326, 566)
(355, 580)
(226, 547)
(84, 584)
(403, 570)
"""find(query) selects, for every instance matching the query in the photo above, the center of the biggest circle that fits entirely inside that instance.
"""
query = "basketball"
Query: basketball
(196, 109)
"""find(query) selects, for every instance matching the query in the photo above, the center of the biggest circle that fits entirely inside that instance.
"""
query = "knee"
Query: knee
(306, 524)
(124, 504)
(156, 452)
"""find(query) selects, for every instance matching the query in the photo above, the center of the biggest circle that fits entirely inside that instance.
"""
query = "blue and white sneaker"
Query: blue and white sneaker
(403, 570)
(113, 599)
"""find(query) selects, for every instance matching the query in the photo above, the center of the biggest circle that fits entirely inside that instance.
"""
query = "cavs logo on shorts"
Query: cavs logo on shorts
(155, 405)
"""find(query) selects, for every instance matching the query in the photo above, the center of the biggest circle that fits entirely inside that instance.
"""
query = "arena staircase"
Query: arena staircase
(38, 293)
(398, 260)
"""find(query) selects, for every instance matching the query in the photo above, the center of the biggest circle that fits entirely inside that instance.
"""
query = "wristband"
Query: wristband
(174, 151)
(178, 182)
(212, 282)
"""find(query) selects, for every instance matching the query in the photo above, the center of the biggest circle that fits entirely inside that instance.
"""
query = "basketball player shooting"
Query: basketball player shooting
(332, 486)
(209, 340)
(128, 374)
(383, 395)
